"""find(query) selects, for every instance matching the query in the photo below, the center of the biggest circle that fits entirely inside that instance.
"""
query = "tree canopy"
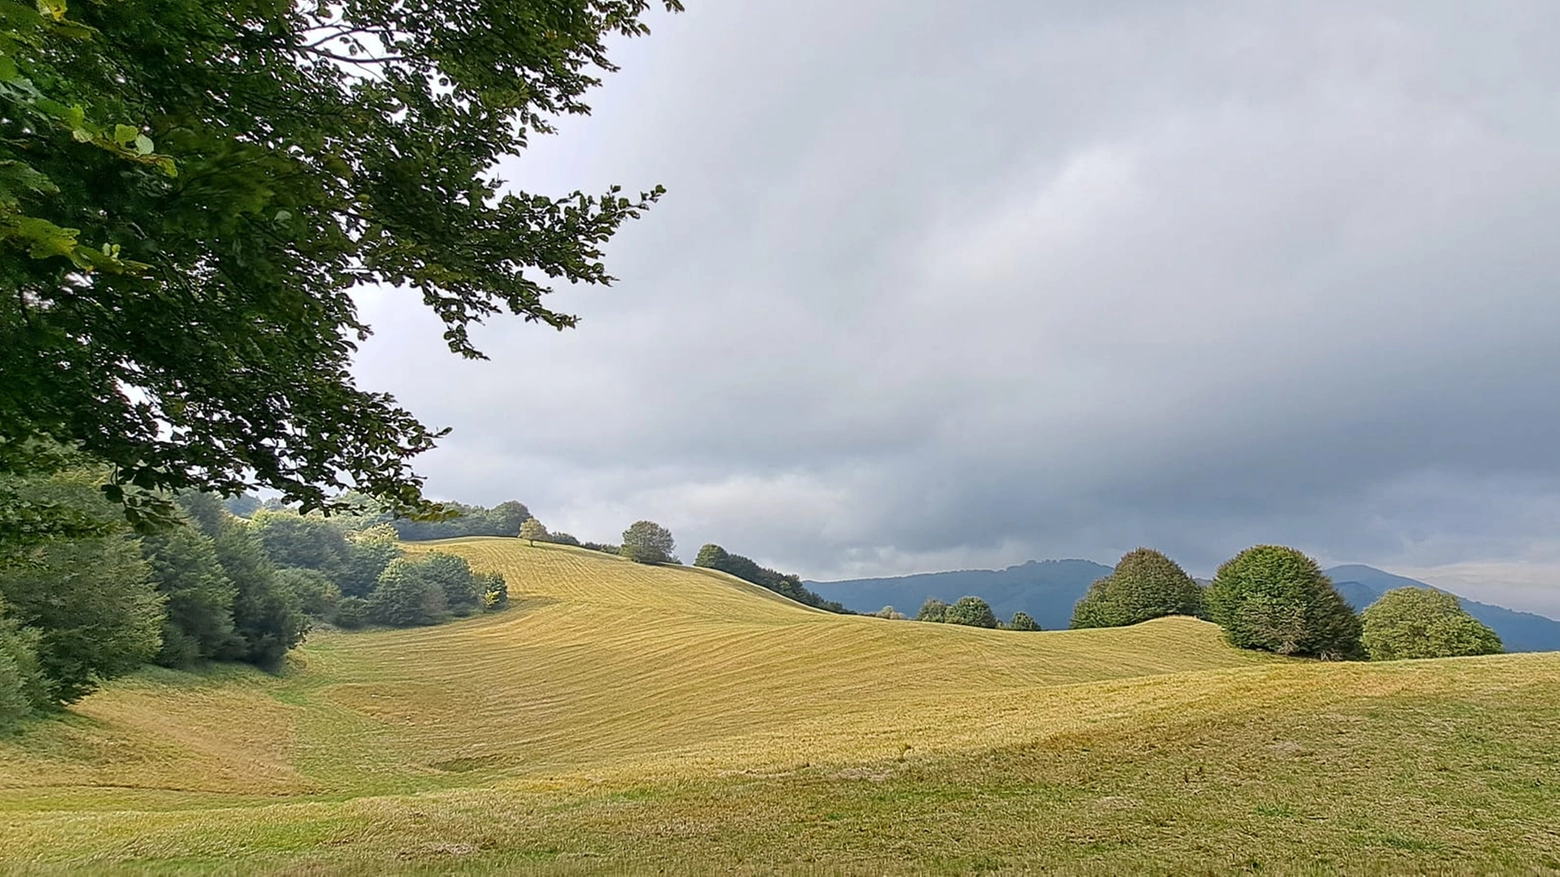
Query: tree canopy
(1277, 599)
(647, 542)
(190, 190)
(970, 612)
(1145, 584)
(1423, 623)
(712, 556)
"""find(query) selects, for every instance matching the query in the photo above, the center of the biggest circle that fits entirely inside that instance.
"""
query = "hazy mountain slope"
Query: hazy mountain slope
(1360, 585)
(1046, 590)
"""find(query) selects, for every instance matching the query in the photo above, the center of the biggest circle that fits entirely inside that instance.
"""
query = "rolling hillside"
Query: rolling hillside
(622, 717)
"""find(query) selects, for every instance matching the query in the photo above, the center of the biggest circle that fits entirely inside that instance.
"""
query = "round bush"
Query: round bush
(1145, 584)
(1423, 623)
(1277, 599)
(971, 612)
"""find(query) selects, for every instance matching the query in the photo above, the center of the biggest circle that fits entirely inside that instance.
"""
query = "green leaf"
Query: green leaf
(143, 144)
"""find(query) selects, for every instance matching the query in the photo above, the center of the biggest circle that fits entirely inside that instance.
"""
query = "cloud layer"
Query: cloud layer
(963, 284)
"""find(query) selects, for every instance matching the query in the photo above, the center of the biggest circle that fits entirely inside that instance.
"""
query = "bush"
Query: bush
(1276, 599)
(933, 610)
(453, 575)
(890, 613)
(971, 612)
(406, 597)
(563, 539)
(601, 547)
(368, 552)
(315, 594)
(1022, 621)
(23, 687)
(647, 542)
(307, 541)
(1423, 623)
(351, 613)
(198, 620)
(494, 590)
(1145, 584)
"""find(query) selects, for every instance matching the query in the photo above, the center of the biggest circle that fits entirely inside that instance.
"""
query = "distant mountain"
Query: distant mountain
(1045, 589)
(1521, 631)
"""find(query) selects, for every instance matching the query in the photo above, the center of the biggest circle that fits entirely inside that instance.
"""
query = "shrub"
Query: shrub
(647, 542)
(453, 575)
(890, 613)
(1423, 623)
(1022, 621)
(315, 594)
(1276, 599)
(405, 597)
(933, 610)
(23, 687)
(563, 539)
(351, 613)
(971, 612)
(1145, 584)
(307, 541)
(368, 552)
(494, 590)
(198, 620)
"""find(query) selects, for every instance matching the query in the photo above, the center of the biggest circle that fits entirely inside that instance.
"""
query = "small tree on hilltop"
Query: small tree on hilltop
(1145, 584)
(890, 613)
(933, 610)
(971, 612)
(1423, 623)
(647, 542)
(711, 556)
(533, 530)
(1276, 599)
(1022, 621)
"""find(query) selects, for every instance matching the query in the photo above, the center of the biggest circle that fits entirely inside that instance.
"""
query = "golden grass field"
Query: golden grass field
(626, 718)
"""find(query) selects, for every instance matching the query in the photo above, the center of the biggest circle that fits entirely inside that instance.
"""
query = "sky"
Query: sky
(951, 285)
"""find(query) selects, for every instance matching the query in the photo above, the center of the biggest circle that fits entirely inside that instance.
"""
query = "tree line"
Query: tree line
(1270, 598)
(207, 586)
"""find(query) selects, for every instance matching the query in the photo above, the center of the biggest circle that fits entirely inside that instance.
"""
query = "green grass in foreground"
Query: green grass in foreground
(623, 718)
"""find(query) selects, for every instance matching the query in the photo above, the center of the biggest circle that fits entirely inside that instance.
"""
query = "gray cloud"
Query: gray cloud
(963, 284)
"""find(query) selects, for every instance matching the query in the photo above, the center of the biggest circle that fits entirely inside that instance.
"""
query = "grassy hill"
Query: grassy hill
(622, 717)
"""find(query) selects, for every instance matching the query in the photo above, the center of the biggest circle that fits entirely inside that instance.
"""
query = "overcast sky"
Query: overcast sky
(942, 285)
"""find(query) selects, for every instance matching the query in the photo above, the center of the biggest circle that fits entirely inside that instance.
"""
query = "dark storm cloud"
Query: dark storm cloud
(963, 284)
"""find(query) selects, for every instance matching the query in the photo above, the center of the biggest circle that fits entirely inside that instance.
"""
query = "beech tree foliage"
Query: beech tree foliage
(647, 542)
(189, 191)
(1423, 623)
(1277, 599)
(1145, 584)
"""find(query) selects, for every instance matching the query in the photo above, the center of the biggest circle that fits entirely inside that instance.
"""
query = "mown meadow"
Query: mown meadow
(625, 717)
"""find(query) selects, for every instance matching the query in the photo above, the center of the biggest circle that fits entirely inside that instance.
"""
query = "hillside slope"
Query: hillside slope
(623, 717)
